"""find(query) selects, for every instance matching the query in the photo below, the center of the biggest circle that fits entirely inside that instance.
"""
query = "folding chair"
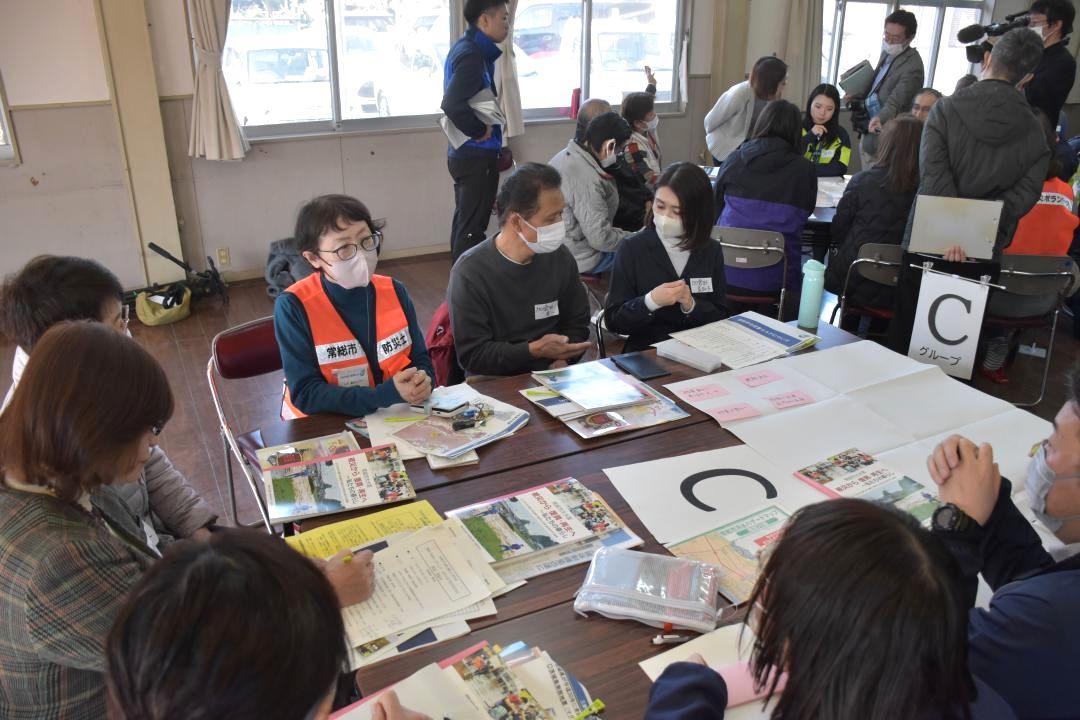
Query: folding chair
(877, 263)
(244, 351)
(754, 250)
(1027, 278)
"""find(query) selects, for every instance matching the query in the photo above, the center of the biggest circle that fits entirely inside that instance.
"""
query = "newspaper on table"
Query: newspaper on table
(330, 474)
(746, 339)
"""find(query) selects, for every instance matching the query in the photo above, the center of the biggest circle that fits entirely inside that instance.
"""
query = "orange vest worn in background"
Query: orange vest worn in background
(1048, 227)
(340, 355)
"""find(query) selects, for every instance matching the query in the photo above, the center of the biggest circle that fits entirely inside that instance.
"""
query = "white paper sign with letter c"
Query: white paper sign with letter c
(947, 323)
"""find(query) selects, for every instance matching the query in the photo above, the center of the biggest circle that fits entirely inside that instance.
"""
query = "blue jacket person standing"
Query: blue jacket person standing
(469, 69)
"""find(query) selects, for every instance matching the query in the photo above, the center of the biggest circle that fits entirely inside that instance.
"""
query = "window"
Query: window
(309, 66)
(624, 36)
(851, 33)
(9, 154)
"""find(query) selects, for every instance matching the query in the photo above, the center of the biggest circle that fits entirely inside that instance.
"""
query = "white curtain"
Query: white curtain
(506, 82)
(801, 49)
(215, 132)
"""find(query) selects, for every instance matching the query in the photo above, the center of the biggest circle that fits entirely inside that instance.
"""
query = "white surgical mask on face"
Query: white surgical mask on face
(892, 50)
(549, 238)
(1040, 478)
(669, 229)
(352, 273)
(609, 161)
(653, 124)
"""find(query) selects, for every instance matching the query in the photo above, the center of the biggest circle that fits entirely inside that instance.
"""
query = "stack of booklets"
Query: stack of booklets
(436, 437)
(330, 474)
(543, 529)
(592, 399)
(736, 342)
(485, 682)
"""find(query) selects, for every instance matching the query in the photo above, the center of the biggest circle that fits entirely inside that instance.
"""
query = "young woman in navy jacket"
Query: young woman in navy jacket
(670, 276)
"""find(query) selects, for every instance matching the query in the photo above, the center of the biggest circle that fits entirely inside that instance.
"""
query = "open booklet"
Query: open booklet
(330, 474)
(544, 528)
(592, 386)
(656, 410)
(856, 474)
(746, 339)
(485, 682)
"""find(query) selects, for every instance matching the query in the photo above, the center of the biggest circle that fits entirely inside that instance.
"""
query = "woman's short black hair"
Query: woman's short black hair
(50, 289)
(697, 207)
(604, 127)
(1056, 10)
(636, 105)
(906, 18)
(766, 75)
(833, 94)
(475, 8)
(320, 215)
(780, 119)
(520, 193)
(239, 626)
(862, 608)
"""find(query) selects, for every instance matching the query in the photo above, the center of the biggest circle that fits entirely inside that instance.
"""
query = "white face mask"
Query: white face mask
(669, 229)
(1040, 478)
(612, 157)
(351, 273)
(653, 124)
(549, 238)
(893, 50)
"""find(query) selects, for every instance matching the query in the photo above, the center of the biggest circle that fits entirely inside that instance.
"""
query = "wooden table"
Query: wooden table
(603, 654)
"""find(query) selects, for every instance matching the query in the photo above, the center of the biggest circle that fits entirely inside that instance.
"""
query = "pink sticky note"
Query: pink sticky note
(791, 399)
(702, 392)
(759, 378)
(734, 412)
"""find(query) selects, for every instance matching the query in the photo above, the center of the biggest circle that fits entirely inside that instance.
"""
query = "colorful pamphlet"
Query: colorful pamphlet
(656, 410)
(524, 531)
(592, 386)
(330, 474)
(434, 435)
(736, 548)
(853, 473)
(746, 339)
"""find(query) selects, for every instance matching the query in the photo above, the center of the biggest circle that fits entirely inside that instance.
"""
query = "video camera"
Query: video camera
(975, 33)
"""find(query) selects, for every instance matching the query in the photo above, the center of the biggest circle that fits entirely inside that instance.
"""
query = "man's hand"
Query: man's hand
(388, 707)
(649, 77)
(487, 134)
(556, 347)
(413, 385)
(819, 130)
(352, 576)
(874, 126)
(967, 476)
(669, 293)
(954, 254)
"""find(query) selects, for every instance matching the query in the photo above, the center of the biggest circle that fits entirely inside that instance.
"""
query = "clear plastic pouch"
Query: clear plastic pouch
(653, 589)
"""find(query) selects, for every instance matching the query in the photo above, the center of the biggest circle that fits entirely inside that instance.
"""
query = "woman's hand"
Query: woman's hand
(819, 130)
(669, 293)
(388, 707)
(413, 385)
(352, 576)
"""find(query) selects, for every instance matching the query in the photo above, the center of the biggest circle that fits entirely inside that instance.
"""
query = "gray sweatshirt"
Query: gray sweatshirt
(497, 307)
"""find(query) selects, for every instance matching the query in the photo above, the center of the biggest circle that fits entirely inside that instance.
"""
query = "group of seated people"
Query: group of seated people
(121, 597)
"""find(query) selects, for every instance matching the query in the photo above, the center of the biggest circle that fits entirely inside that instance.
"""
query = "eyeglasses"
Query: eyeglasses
(348, 251)
(125, 316)
(894, 39)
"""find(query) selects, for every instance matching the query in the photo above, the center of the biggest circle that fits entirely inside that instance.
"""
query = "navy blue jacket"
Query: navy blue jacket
(767, 185)
(1026, 645)
(641, 263)
(308, 389)
(469, 68)
(688, 691)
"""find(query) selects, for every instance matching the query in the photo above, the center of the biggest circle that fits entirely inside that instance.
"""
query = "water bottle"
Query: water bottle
(813, 285)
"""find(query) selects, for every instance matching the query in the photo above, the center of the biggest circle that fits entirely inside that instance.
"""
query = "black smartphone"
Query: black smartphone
(640, 365)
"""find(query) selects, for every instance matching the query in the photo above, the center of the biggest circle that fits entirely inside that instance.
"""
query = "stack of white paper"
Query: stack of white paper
(746, 339)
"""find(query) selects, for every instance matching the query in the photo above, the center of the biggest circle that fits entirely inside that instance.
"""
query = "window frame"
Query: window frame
(985, 7)
(9, 151)
(338, 125)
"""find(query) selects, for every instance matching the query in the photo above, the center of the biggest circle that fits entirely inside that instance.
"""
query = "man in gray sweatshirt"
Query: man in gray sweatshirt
(516, 301)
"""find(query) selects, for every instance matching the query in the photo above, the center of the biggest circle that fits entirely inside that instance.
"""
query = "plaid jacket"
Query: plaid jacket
(63, 577)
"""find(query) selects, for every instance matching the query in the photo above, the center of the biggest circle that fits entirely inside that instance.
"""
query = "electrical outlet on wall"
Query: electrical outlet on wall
(223, 258)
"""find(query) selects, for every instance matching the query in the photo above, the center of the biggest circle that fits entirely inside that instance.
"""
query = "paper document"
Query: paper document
(746, 339)
(486, 107)
(330, 539)
(422, 578)
(939, 223)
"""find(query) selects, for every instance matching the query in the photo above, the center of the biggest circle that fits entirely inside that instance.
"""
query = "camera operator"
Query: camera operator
(1053, 20)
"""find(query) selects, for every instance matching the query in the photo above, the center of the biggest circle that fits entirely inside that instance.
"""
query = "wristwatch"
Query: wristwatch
(950, 518)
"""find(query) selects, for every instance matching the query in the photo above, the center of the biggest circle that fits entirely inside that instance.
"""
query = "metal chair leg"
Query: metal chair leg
(229, 479)
(1046, 365)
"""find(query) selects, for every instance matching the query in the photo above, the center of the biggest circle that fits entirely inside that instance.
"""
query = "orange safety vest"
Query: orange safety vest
(342, 360)
(1048, 227)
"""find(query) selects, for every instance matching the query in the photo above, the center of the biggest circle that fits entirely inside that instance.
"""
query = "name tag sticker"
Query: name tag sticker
(701, 285)
(546, 310)
(355, 376)
(337, 352)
